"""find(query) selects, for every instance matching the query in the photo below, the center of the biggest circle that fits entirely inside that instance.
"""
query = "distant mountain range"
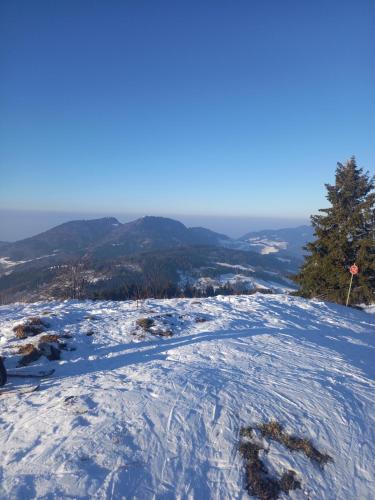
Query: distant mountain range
(108, 238)
(110, 250)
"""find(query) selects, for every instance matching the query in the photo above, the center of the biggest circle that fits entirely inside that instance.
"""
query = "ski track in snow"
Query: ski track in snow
(138, 416)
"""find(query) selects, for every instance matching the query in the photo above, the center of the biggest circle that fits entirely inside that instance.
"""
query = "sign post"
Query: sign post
(353, 270)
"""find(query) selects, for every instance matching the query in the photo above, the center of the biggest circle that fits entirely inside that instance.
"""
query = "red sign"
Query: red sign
(354, 269)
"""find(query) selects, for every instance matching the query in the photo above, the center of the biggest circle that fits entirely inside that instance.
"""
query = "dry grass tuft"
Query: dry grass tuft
(145, 323)
(20, 332)
(249, 450)
(274, 430)
(258, 482)
(49, 338)
(26, 349)
(246, 432)
(32, 326)
(271, 429)
(46, 347)
(289, 482)
(35, 321)
(30, 354)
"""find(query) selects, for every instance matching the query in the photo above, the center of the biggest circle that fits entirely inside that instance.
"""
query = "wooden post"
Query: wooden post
(350, 287)
(353, 270)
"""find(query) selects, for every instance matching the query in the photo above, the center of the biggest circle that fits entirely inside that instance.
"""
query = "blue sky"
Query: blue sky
(205, 108)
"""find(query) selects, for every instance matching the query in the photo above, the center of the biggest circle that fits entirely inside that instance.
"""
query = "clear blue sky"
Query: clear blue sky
(200, 107)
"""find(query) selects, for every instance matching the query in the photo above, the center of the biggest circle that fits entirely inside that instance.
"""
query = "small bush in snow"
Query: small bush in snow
(32, 326)
(145, 323)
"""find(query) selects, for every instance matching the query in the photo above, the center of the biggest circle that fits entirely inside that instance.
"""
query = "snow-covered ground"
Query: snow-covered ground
(238, 281)
(132, 415)
(266, 246)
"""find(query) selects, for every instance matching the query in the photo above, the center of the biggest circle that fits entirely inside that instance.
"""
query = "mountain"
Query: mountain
(71, 238)
(152, 233)
(148, 249)
(149, 401)
(156, 273)
(108, 238)
(283, 241)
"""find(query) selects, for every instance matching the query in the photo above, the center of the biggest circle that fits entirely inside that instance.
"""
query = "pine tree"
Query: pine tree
(345, 234)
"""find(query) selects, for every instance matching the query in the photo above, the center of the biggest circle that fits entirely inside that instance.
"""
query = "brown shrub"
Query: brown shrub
(145, 323)
(35, 321)
(32, 326)
(30, 354)
(25, 348)
(20, 331)
(49, 338)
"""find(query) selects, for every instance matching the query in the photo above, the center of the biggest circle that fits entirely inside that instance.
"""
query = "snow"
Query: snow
(266, 246)
(131, 415)
(282, 259)
(240, 282)
(7, 262)
(237, 266)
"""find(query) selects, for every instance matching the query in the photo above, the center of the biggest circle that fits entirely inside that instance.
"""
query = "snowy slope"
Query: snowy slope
(132, 415)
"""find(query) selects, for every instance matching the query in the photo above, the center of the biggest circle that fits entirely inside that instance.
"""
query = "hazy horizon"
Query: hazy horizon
(19, 224)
